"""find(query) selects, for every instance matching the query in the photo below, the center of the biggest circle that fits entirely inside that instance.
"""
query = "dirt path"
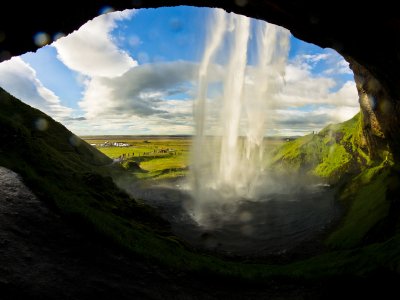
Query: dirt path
(44, 257)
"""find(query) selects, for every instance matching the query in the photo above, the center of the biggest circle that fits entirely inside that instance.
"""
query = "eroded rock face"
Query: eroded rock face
(380, 111)
(368, 36)
(373, 103)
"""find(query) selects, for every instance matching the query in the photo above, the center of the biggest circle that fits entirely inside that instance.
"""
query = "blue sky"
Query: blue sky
(55, 75)
(134, 72)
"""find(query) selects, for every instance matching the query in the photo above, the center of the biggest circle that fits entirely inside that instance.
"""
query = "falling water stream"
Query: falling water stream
(228, 166)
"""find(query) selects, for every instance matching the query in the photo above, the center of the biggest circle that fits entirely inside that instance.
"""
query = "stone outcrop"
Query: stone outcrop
(380, 111)
(367, 35)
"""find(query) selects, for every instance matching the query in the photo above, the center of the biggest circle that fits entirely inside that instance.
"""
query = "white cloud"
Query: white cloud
(346, 96)
(329, 61)
(141, 91)
(340, 66)
(141, 101)
(117, 124)
(311, 120)
(308, 104)
(91, 50)
(314, 58)
(303, 88)
(20, 80)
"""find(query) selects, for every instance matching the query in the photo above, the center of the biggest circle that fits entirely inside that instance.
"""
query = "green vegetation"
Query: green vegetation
(73, 177)
(367, 193)
(157, 158)
(335, 151)
(70, 175)
(337, 155)
(153, 163)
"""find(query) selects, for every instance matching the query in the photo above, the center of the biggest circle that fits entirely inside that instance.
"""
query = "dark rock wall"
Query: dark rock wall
(380, 112)
(366, 34)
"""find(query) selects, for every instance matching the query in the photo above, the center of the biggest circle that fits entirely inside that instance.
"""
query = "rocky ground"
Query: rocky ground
(42, 256)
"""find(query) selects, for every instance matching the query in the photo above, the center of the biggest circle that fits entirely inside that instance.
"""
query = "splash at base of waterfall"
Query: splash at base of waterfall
(281, 220)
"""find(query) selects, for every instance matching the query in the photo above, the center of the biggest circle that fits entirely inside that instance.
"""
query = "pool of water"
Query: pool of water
(272, 224)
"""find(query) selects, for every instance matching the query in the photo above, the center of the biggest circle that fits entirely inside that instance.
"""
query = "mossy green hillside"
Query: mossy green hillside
(330, 154)
(337, 155)
(366, 197)
(66, 172)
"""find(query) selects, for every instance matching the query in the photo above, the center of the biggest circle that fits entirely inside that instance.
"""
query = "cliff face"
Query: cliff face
(380, 111)
(366, 35)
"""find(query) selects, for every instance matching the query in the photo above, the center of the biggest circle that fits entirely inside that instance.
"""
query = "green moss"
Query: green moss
(292, 154)
(367, 194)
(333, 152)
(336, 160)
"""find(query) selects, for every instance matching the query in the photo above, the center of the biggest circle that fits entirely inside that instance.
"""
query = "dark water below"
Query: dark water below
(275, 224)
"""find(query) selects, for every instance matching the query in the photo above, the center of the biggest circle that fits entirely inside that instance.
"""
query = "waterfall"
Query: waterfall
(227, 162)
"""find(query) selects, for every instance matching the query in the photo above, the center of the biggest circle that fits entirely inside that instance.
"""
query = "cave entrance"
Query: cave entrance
(137, 73)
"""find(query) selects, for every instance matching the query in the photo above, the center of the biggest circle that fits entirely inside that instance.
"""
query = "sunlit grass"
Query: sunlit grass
(329, 154)
(368, 207)
(158, 158)
(174, 163)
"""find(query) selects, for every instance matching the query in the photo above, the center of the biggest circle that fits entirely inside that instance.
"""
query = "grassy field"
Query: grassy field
(159, 157)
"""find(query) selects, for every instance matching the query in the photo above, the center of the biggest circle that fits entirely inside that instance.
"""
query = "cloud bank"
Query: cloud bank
(146, 99)
(92, 51)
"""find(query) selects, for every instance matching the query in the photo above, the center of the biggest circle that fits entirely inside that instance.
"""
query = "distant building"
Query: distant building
(114, 144)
